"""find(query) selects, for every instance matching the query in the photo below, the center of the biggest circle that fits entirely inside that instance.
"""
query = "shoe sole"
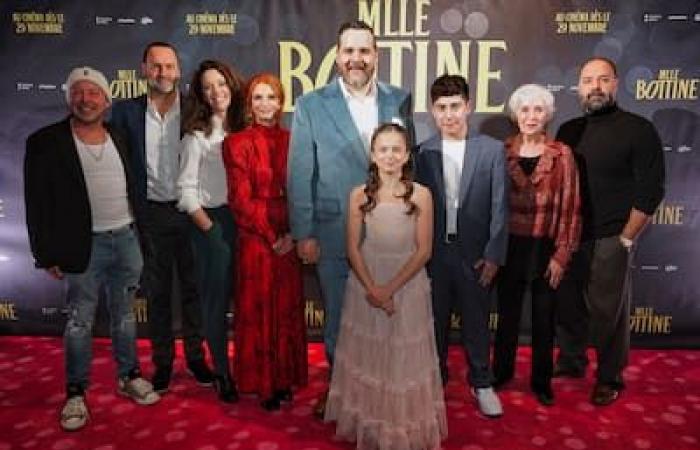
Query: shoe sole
(71, 428)
(140, 401)
(200, 383)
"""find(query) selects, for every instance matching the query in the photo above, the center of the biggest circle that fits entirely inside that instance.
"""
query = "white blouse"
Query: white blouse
(202, 180)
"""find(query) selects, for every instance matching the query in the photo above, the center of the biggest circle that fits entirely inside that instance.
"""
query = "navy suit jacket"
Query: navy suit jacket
(482, 219)
(129, 117)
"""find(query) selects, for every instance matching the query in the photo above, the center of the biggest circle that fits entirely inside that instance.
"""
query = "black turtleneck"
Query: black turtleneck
(621, 164)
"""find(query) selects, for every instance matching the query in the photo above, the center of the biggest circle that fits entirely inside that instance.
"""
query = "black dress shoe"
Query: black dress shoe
(545, 397)
(201, 372)
(604, 395)
(161, 379)
(226, 388)
(499, 382)
(271, 404)
(284, 395)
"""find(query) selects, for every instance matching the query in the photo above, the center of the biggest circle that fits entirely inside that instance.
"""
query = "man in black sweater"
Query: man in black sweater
(622, 174)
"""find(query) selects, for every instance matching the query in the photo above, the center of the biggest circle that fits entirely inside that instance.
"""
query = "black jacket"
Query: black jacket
(59, 218)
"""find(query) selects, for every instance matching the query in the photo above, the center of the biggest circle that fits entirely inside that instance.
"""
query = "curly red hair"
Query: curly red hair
(270, 80)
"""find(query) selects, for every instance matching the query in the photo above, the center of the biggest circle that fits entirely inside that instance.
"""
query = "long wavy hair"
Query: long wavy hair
(374, 182)
(197, 113)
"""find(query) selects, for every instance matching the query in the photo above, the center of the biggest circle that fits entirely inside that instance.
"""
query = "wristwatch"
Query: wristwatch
(626, 242)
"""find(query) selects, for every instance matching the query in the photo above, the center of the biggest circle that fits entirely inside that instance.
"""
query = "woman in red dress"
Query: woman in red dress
(269, 327)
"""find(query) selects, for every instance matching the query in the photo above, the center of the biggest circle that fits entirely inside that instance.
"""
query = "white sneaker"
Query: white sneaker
(139, 390)
(74, 414)
(488, 402)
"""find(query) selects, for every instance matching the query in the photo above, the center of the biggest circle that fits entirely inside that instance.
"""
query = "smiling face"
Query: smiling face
(161, 69)
(450, 114)
(356, 59)
(88, 102)
(532, 118)
(597, 86)
(265, 104)
(390, 152)
(216, 91)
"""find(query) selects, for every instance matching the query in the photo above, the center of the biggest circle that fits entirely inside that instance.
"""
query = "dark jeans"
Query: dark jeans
(213, 254)
(511, 291)
(166, 247)
(455, 285)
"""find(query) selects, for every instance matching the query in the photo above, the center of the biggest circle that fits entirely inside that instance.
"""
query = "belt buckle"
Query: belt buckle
(451, 238)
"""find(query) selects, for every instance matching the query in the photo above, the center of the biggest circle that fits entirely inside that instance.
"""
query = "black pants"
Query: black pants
(511, 291)
(455, 285)
(166, 246)
(572, 314)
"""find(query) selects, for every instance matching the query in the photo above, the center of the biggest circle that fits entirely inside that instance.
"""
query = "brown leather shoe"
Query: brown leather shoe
(319, 409)
(604, 395)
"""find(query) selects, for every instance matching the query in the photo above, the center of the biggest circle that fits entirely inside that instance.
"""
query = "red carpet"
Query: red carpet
(659, 410)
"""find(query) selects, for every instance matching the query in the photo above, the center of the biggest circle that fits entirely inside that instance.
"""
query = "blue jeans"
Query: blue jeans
(115, 265)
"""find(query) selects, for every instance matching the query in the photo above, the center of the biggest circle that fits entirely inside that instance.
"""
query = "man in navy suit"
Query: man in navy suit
(151, 123)
(329, 155)
(466, 173)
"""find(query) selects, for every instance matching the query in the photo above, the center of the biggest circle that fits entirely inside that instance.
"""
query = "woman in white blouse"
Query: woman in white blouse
(214, 107)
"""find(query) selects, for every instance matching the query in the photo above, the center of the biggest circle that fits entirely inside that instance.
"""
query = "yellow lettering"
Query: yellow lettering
(289, 72)
(486, 75)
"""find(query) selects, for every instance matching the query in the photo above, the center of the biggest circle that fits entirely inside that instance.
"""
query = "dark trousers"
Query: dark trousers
(166, 248)
(511, 291)
(572, 314)
(455, 285)
(608, 296)
(213, 254)
(606, 291)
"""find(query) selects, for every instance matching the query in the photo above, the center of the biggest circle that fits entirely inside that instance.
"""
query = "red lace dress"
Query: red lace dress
(269, 327)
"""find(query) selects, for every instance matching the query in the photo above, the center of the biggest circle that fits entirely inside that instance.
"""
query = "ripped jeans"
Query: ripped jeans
(115, 266)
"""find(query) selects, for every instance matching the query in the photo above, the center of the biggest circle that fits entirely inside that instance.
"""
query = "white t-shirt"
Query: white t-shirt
(106, 185)
(452, 162)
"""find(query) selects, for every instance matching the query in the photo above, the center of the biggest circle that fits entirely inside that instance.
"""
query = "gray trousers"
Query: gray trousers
(606, 290)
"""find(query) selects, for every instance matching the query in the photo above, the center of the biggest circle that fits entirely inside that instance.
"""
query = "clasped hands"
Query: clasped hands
(381, 297)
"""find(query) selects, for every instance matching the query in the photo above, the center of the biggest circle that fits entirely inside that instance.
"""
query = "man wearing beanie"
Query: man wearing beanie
(151, 124)
(79, 205)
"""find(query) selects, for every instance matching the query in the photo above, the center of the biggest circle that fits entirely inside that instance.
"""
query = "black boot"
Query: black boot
(271, 404)
(226, 388)
(284, 395)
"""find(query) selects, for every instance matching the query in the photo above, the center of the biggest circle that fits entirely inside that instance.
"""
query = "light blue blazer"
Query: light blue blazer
(327, 159)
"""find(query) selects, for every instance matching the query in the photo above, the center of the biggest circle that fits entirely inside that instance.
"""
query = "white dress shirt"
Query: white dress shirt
(202, 180)
(364, 111)
(162, 152)
(452, 162)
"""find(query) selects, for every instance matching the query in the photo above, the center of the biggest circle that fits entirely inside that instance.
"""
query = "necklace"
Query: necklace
(97, 151)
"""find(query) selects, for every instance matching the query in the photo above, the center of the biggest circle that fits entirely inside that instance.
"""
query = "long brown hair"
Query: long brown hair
(197, 112)
(374, 182)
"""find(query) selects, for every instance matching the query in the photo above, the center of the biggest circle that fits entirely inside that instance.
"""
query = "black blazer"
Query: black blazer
(59, 218)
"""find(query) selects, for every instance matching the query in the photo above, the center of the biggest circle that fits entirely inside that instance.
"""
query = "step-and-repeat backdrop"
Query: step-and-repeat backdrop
(497, 45)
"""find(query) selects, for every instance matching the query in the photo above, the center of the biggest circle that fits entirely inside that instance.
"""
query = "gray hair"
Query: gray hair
(531, 94)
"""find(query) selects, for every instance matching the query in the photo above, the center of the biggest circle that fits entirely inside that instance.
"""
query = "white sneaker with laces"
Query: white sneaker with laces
(74, 414)
(139, 390)
(488, 402)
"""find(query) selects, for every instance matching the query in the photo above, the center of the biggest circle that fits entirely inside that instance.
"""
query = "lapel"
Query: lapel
(385, 104)
(433, 157)
(472, 153)
(337, 108)
(140, 127)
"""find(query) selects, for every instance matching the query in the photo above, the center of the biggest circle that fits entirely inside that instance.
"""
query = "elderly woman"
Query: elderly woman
(544, 230)
(270, 332)
(214, 108)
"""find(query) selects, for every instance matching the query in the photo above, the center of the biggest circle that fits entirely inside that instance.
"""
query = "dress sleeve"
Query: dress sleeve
(568, 231)
(249, 212)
